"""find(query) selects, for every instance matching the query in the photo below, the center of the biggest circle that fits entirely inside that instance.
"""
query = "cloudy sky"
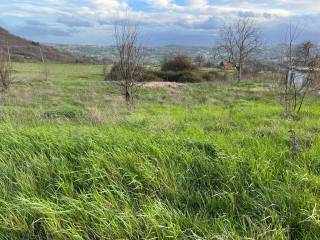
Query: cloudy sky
(187, 22)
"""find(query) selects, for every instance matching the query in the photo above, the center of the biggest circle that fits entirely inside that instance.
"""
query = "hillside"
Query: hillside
(25, 50)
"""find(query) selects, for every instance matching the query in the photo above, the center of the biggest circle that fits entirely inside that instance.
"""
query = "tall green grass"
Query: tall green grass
(71, 182)
(200, 161)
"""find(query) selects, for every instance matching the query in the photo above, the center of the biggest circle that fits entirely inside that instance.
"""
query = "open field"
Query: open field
(192, 161)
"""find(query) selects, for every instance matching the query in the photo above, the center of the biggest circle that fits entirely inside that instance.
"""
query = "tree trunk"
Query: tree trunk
(129, 98)
(239, 68)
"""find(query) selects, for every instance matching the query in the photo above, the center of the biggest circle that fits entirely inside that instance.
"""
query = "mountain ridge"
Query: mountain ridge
(22, 49)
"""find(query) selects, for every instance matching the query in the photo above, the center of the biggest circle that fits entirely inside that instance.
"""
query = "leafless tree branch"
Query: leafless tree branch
(297, 60)
(239, 41)
(129, 66)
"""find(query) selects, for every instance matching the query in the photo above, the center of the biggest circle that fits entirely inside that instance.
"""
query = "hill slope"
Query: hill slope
(23, 49)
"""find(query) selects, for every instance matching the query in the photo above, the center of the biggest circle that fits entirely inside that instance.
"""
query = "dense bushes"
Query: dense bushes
(186, 76)
(190, 77)
(147, 75)
(180, 76)
(194, 76)
(177, 68)
(114, 73)
(177, 63)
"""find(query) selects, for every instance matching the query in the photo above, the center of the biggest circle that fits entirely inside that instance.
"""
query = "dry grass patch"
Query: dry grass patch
(167, 85)
(260, 89)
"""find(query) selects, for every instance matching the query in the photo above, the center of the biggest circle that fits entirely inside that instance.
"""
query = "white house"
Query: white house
(298, 76)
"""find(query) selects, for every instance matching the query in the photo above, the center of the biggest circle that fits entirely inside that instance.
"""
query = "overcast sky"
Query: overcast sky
(187, 22)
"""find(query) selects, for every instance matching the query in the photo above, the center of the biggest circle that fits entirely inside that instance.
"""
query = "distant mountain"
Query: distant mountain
(24, 50)
(154, 55)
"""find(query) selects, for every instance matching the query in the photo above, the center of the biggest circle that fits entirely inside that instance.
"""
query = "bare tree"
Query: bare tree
(239, 41)
(300, 75)
(303, 52)
(286, 86)
(5, 69)
(128, 69)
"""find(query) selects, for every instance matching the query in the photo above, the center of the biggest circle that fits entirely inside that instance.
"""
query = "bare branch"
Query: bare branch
(128, 69)
(300, 74)
(239, 41)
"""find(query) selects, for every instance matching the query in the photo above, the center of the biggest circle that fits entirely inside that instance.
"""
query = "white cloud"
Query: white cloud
(155, 15)
(109, 4)
(161, 3)
(198, 3)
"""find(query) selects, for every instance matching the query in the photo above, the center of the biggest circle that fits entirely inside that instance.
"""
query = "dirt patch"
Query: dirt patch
(260, 89)
(168, 85)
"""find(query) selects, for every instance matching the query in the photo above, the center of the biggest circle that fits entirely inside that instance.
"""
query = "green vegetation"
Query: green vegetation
(192, 161)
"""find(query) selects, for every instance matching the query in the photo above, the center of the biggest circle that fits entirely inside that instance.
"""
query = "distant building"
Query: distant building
(228, 66)
(299, 76)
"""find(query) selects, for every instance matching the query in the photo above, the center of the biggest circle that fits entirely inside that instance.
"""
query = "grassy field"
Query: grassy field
(192, 161)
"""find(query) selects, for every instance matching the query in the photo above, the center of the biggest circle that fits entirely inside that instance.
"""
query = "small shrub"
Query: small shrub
(177, 63)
